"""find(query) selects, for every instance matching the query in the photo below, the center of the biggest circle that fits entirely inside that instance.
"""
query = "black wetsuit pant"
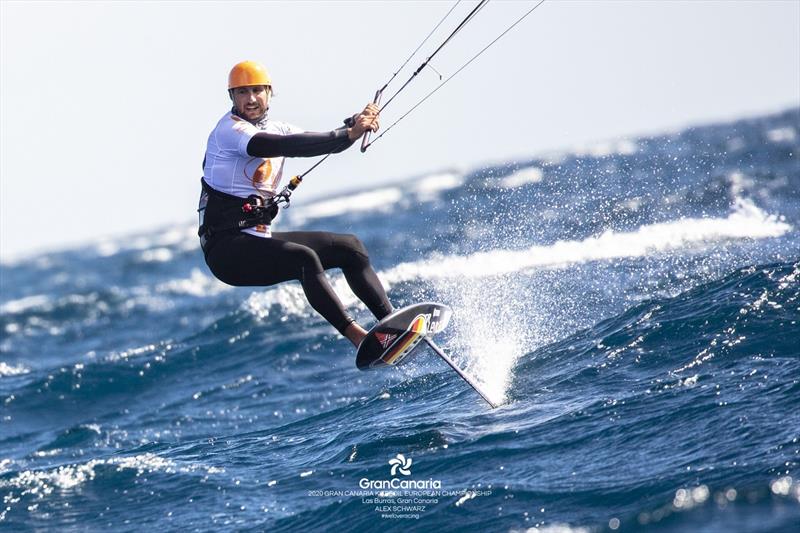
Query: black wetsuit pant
(245, 260)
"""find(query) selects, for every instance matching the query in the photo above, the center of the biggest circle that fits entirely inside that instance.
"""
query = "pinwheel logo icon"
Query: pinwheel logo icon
(401, 464)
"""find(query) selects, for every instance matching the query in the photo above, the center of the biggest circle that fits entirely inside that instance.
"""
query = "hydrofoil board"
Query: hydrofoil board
(393, 340)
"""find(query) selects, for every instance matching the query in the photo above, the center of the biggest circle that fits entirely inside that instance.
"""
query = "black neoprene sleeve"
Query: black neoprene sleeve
(298, 144)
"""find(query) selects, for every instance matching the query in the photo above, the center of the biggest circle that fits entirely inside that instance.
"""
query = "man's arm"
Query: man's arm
(264, 144)
(298, 144)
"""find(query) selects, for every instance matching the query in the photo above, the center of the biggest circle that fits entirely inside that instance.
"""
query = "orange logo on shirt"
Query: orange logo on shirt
(261, 174)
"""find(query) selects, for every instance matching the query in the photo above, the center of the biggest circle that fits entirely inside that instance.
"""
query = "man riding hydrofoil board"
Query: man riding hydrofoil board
(242, 171)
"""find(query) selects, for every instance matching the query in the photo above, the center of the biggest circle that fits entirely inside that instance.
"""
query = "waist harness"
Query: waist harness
(226, 213)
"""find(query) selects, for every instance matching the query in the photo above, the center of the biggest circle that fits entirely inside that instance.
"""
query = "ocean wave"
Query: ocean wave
(617, 302)
(30, 486)
(747, 221)
(155, 245)
(53, 316)
(712, 324)
(43, 314)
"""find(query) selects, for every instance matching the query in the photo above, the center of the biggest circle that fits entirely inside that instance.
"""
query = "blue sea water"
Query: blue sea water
(634, 304)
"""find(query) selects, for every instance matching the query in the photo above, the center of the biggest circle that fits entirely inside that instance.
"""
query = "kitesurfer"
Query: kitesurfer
(244, 165)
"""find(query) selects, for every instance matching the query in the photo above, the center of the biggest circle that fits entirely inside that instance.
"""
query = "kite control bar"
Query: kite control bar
(365, 138)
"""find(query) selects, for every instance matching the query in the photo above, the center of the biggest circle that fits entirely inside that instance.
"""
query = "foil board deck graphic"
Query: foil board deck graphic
(393, 340)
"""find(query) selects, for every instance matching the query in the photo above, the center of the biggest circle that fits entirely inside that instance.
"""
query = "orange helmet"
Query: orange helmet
(247, 74)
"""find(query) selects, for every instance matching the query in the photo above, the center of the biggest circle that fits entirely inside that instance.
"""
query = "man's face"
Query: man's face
(252, 102)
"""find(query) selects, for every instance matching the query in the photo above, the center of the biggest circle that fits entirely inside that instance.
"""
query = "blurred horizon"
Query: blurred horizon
(306, 195)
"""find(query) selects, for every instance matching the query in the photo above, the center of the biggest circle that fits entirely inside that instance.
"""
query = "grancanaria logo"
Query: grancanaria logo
(401, 464)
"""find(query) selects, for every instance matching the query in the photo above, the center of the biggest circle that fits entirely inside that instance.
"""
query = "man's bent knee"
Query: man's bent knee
(307, 262)
(354, 247)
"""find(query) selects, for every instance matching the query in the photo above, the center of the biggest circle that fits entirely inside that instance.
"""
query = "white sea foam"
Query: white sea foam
(427, 188)
(384, 199)
(197, 284)
(40, 483)
(45, 304)
(132, 352)
(106, 248)
(605, 148)
(739, 182)
(595, 149)
(289, 298)
(735, 144)
(486, 345)
(467, 496)
(156, 255)
(779, 135)
(377, 200)
(12, 370)
(746, 221)
(522, 177)
(25, 304)
(179, 235)
(553, 528)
